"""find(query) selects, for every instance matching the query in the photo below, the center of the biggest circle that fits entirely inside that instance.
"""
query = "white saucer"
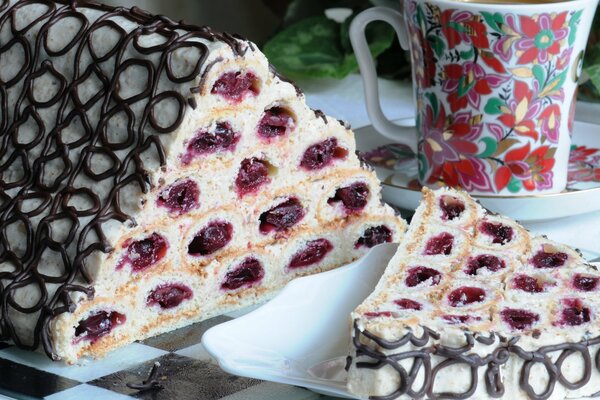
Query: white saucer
(581, 198)
(302, 336)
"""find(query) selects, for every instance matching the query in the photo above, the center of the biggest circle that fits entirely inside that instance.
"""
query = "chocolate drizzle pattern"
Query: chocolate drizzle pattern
(368, 344)
(45, 168)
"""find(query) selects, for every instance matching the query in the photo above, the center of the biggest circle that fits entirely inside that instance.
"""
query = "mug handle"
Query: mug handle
(369, 75)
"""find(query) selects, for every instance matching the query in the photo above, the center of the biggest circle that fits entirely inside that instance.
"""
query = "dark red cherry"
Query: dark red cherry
(574, 313)
(312, 253)
(234, 86)
(247, 273)
(543, 259)
(377, 314)
(276, 121)
(452, 207)
(484, 261)
(253, 174)
(418, 275)
(320, 155)
(180, 197)
(223, 138)
(408, 304)
(440, 244)
(169, 295)
(211, 238)
(144, 253)
(519, 319)
(466, 295)
(501, 234)
(99, 324)
(281, 217)
(528, 284)
(585, 283)
(374, 236)
(353, 197)
(459, 319)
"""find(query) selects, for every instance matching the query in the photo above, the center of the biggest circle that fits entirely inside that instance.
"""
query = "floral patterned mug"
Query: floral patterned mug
(495, 90)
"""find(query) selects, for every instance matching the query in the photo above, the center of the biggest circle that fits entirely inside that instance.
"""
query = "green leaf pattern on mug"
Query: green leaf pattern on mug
(490, 65)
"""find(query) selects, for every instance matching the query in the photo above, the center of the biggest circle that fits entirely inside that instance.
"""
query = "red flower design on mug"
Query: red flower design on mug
(521, 111)
(463, 26)
(541, 37)
(466, 83)
(450, 148)
(532, 168)
(549, 121)
(492, 94)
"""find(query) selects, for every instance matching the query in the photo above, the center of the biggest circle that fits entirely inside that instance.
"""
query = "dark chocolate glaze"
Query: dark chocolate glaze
(320, 114)
(54, 192)
(150, 383)
(345, 124)
(367, 344)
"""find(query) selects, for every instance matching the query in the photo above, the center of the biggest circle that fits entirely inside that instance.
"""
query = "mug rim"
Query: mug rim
(508, 5)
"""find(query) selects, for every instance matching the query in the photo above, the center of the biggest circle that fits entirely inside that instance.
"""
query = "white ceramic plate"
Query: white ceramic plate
(582, 198)
(301, 337)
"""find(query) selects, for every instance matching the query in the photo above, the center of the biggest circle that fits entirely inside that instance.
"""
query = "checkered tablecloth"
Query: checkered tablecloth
(186, 372)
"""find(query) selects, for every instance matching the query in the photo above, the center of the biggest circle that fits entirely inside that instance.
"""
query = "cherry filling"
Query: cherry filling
(408, 304)
(528, 284)
(247, 273)
(180, 197)
(234, 86)
(253, 174)
(314, 252)
(276, 121)
(281, 217)
(487, 261)
(419, 275)
(377, 314)
(322, 154)
(585, 283)
(211, 238)
(544, 259)
(574, 313)
(501, 234)
(144, 253)
(440, 244)
(459, 319)
(452, 207)
(519, 319)
(353, 197)
(223, 138)
(169, 296)
(374, 236)
(466, 295)
(97, 325)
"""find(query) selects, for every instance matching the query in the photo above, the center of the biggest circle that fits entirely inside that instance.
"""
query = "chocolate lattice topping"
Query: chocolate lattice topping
(38, 166)
(423, 349)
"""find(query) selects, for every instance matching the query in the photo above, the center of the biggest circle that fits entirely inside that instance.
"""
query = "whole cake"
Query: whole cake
(474, 307)
(154, 174)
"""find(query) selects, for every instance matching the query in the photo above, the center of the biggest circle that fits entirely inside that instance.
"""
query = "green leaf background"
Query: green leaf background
(319, 47)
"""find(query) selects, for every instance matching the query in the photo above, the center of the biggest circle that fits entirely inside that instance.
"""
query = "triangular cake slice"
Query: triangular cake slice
(472, 306)
(154, 174)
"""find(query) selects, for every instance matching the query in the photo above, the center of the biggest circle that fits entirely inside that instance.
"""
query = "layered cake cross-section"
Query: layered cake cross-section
(154, 174)
(473, 306)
